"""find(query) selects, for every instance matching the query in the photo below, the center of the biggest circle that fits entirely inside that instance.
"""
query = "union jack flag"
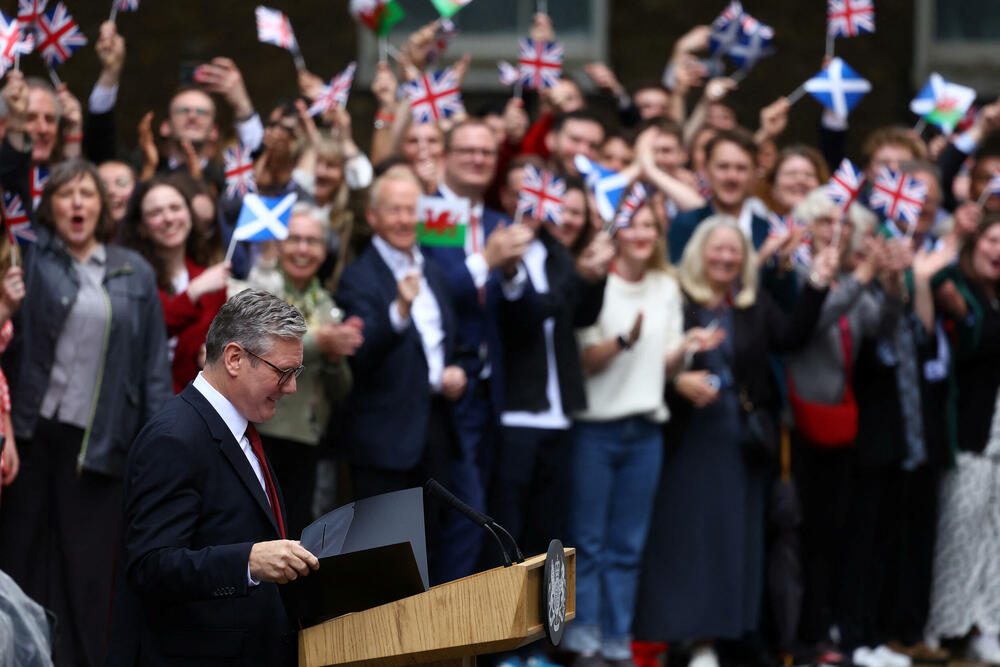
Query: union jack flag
(897, 196)
(13, 41)
(849, 18)
(845, 184)
(778, 225)
(446, 32)
(59, 35)
(18, 224)
(540, 63)
(128, 5)
(335, 93)
(434, 96)
(238, 165)
(39, 177)
(633, 201)
(541, 195)
(509, 75)
(28, 12)
(726, 28)
(273, 27)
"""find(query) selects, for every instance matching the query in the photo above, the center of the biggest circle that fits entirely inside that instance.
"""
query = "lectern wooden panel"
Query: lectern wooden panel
(496, 610)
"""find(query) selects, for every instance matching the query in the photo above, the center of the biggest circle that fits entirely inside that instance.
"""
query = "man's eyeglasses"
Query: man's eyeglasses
(197, 111)
(284, 375)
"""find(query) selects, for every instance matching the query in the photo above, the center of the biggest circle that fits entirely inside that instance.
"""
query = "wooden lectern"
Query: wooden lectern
(496, 610)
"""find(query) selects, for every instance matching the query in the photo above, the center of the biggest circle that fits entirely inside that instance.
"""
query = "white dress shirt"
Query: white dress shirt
(475, 239)
(425, 312)
(237, 425)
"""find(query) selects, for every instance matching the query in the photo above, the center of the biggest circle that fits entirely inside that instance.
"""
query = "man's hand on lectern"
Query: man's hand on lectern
(280, 561)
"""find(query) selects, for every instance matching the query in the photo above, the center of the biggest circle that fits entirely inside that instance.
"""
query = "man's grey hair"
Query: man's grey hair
(34, 82)
(252, 319)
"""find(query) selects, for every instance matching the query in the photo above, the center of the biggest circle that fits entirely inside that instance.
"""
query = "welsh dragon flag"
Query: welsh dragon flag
(448, 8)
(379, 15)
(442, 222)
(942, 103)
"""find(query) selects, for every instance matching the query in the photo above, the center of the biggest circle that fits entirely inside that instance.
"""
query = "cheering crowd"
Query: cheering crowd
(763, 417)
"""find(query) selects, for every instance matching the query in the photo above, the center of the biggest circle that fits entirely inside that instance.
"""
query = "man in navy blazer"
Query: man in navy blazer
(476, 273)
(401, 427)
(205, 544)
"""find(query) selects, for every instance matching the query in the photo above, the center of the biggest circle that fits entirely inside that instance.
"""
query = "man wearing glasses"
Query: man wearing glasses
(205, 541)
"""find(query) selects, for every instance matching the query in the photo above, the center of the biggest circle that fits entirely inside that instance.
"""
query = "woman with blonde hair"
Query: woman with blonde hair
(703, 573)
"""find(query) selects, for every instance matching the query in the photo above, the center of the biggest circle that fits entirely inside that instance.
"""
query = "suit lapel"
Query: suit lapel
(231, 450)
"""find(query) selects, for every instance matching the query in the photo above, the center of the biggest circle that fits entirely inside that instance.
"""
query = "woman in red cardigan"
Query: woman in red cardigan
(192, 287)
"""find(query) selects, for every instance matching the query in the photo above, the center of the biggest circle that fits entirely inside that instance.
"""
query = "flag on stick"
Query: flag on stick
(434, 96)
(238, 166)
(838, 87)
(943, 103)
(335, 93)
(849, 18)
(541, 195)
(59, 36)
(378, 15)
(442, 222)
(898, 196)
(540, 63)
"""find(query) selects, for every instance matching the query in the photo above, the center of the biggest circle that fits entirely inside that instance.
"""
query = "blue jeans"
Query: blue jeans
(615, 467)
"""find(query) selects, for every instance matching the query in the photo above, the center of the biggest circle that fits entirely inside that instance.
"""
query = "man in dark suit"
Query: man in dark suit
(475, 275)
(401, 429)
(205, 542)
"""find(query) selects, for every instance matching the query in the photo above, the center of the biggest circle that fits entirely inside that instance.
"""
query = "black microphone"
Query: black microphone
(434, 488)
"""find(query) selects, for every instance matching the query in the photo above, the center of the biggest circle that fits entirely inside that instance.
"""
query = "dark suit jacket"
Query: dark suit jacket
(193, 510)
(573, 303)
(476, 323)
(391, 401)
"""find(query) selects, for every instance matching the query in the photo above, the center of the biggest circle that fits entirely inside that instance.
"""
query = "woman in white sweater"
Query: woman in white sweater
(628, 354)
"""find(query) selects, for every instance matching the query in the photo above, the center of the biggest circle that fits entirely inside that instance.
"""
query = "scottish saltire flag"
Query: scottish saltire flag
(636, 197)
(434, 96)
(725, 28)
(36, 180)
(58, 35)
(334, 93)
(264, 218)
(838, 87)
(378, 15)
(845, 184)
(273, 27)
(540, 63)
(541, 195)
(509, 75)
(128, 5)
(28, 12)
(448, 8)
(238, 166)
(18, 225)
(752, 44)
(14, 41)
(943, 103)
(608, 186)
(442, 222)
(897, 196)
(849, 18)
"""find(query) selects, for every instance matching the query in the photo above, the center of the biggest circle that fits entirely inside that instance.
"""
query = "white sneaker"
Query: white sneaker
(865, 657)
(704, 656)
(985, 648)
(891, 658)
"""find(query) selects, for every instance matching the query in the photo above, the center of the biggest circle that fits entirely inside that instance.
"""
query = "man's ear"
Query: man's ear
(232, 358)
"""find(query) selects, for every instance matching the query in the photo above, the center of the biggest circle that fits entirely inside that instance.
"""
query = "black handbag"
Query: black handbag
(760, 432)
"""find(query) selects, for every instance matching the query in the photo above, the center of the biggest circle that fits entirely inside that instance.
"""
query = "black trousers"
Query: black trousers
(441, 448)
(530, 487)
(59, 535)
(294, 465)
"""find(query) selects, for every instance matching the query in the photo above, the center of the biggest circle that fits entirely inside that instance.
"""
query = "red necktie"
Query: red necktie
(272, 493)
(474, 230)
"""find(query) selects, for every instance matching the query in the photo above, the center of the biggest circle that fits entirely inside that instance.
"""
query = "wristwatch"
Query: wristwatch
(623, 342)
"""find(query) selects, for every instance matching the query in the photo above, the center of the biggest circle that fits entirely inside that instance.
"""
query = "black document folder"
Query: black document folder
(370, 552)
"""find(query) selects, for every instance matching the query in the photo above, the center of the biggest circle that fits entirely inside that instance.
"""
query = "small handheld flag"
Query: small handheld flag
(446, 32)
(838, 87)
(264, 218)
(18, 224)
(14, 42)
(238, 166)
(335, 92)
(752, 44)
(845, 184)
(849, 18)
(434, 96)
(378, 15)
(273, 27)
(441, 222)
(540, 63)
(942, 103)
(59, 35)
(122, 6)
(725, 29)
(36, 180)
(448, 8)
(509, 75)
(541, 195)
(608, 186)
(897, 196)
(634, 200)
(28, 12)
